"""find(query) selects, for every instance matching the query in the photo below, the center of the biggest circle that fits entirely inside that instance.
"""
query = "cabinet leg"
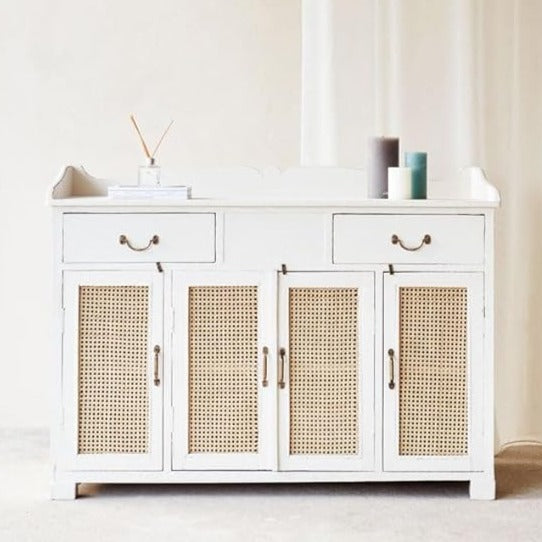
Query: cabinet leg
(482, 487)
(63, 491)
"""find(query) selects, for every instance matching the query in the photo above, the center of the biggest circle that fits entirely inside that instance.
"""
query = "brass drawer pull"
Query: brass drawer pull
(156, 365)
(425, 241)
(282, 353)
(391, 383)
(265, 382)
(123, 240)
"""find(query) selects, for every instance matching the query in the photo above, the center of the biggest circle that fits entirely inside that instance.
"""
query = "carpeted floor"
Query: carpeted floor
(329, 512)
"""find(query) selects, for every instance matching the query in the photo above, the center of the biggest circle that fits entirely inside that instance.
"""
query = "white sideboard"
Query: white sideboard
(277, 337)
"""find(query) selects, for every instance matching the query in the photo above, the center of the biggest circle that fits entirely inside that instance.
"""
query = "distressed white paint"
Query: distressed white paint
(68, 457)
(477, 380)
(180, 238)
(366, 239)
(363, 460)
(312, 221)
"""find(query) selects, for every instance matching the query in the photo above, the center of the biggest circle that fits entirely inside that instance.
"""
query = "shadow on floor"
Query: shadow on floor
(298, 490)
(518, 472)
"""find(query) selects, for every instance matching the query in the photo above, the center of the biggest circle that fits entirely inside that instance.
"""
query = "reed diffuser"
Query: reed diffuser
(149, 174)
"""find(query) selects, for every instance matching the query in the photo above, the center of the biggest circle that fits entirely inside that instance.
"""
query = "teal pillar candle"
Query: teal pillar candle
(417, 162)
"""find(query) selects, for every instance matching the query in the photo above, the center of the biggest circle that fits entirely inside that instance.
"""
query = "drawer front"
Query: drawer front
(408, 239)
(124, 238)
(266, 240)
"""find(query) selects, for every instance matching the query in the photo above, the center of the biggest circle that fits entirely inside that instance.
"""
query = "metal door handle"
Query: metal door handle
(123, 240)
(265, 382)
(282, 353)
(425, 241)
(391, 355)
(156, 365)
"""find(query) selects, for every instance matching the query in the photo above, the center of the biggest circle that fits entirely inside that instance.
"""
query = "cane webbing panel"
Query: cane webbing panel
(113, 384)
(433, 395)
(323, 327)
(223, 369)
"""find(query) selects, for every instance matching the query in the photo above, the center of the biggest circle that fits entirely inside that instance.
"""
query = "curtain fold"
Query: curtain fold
(462, 80)
(469, 90)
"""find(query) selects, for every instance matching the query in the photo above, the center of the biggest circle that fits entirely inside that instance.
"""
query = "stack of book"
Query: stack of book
(149, 192)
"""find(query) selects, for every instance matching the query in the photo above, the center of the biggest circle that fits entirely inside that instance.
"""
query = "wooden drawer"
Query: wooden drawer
(454, 239)
(124, 238)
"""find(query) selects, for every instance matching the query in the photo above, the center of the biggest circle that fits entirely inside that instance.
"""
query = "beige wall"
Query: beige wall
(227, 71)
(460, 79)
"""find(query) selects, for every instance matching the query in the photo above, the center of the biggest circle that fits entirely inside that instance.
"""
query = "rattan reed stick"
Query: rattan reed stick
(161, 139)
(145, 148)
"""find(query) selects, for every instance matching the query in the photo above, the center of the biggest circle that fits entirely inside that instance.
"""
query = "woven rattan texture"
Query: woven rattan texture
(433, 396)
(113, 383)
(223, 369)
(324, 398)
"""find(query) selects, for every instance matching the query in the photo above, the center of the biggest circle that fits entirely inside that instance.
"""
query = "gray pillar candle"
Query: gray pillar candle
(383, 152)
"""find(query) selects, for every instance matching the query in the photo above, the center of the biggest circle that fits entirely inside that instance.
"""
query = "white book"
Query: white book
(149, 192)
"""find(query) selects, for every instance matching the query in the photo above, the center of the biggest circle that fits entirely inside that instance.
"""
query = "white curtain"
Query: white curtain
(462, 80)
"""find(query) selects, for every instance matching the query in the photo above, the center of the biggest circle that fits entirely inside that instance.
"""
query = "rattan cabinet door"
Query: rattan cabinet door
(112, 370)
(433, 369)
(223, 362)
(325, 371)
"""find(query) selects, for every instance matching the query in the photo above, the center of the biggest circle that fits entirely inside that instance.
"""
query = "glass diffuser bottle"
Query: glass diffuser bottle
(149, 174)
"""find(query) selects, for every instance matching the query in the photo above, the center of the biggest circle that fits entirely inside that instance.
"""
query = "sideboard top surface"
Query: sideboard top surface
(294, 188)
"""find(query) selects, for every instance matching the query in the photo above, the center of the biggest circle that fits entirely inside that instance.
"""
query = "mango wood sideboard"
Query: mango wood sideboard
(280, 338)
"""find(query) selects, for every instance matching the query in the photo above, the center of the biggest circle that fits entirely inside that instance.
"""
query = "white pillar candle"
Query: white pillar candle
(399, 183)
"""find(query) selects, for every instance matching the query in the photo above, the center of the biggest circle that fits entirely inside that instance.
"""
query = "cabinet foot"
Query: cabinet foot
(482, 488)
(63, 491)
